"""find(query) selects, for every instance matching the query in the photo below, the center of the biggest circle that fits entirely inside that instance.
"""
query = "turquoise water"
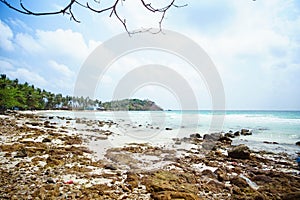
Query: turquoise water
(282, 127)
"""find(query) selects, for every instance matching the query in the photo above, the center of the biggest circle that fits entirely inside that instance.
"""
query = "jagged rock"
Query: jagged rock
(239, 152)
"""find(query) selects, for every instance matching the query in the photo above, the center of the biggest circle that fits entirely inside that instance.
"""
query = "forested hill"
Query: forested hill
(131, 104)
(14, 95)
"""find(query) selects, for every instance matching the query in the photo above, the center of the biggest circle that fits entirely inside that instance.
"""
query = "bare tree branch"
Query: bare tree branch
(113, 11)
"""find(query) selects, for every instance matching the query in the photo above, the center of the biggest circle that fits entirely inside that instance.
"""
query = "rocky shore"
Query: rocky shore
(48, 158)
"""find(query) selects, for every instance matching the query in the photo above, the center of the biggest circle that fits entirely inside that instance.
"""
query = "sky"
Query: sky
(254, 45)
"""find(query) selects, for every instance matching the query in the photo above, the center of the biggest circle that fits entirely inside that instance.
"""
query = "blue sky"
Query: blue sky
(255, 46)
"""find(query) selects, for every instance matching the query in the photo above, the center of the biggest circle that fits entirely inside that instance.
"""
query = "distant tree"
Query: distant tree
(94, 6)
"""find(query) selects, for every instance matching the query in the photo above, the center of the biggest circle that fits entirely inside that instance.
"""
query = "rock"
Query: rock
(110, 166)
(229, 135)
(46, 140)
(262, 179)
(166, 195)
(239, 152)
(50, 180)
(298, 143)
(21, 153)
(267, 142)
(208, 173)
(225, 139)
(237, 133)
(291, 196)
(246, 132)
(212, 136)
(222, 176)
(195, 135)
(208, 145)
(132, 179)
(240, 182)
(168, 129)
(178, 142)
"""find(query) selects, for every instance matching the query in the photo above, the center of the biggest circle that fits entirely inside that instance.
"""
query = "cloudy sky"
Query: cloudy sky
(255, 46)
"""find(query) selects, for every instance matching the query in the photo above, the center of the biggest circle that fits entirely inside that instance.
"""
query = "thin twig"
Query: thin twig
(113, 11)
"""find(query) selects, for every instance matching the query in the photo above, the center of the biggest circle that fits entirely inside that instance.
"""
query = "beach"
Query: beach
(79, 155)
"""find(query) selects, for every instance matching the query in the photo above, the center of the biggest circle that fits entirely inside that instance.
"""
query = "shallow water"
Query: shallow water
(282, 127)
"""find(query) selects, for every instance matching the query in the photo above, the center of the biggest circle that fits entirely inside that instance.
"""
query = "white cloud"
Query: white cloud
(29, 76)
(6, 37)
(5, 65)
(28, 43)
(62, 69)
(20, 24)
(63, 43)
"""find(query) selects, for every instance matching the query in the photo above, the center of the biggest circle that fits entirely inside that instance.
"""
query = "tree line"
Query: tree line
(23, 96)
(14, 95)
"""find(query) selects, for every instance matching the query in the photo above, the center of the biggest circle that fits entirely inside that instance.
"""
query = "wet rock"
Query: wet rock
(267, 142)
(298, 143)
(225, 140)
(237, 133)
(168, 129)
(195, 135)
(46, 140)
(239, 152)
(246, 132)
(229, 135)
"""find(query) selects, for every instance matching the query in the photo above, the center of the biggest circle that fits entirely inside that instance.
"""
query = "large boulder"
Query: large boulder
(239, 152)
(213, 136)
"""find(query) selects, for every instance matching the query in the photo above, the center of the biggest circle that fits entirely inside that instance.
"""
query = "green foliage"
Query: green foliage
(131, 104)
(25, 96)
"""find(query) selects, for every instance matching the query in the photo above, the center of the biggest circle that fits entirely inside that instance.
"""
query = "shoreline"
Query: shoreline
(41, 158)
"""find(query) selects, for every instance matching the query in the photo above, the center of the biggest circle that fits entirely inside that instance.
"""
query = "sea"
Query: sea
(274, 131)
